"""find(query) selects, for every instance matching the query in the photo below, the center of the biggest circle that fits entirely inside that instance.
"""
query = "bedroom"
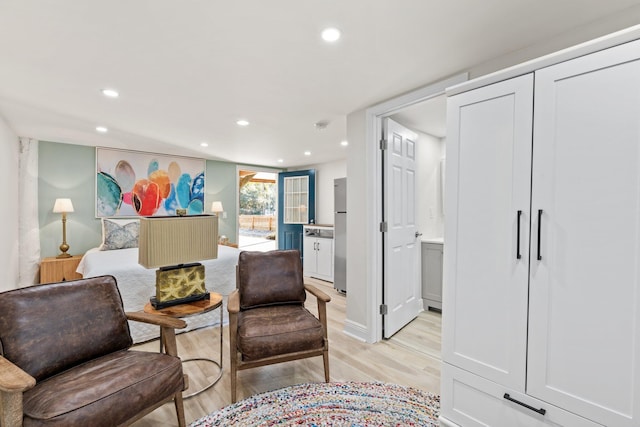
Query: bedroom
(359, 171)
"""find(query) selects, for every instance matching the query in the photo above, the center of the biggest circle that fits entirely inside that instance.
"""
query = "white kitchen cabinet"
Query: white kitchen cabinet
(538, 320)
(318, 252)
(432, 252)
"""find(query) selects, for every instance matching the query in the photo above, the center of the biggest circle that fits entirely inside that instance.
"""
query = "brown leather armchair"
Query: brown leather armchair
(268, 322)
(65, 358)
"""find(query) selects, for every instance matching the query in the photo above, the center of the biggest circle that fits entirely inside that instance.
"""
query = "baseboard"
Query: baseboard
(355, 330)
(446, 423)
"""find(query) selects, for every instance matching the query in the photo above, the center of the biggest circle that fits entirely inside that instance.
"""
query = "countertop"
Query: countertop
(318, 226)
(433, 240)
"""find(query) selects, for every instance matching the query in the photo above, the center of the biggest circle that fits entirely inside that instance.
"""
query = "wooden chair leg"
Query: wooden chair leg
(178, 402)
(234, 376)
(325, 359)
(11, 409)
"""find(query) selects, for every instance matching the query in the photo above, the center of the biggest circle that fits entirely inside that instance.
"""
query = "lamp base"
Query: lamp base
(64, 255)
(164, 304)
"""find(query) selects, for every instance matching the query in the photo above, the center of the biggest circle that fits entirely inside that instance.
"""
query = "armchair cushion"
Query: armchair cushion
(270, 331)
(270, 278)
(53, 343)
(107, 385)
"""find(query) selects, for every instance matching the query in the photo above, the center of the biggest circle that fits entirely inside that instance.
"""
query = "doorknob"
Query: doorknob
(418, 234)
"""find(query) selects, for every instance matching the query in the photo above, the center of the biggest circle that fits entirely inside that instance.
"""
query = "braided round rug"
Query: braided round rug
(331, 404)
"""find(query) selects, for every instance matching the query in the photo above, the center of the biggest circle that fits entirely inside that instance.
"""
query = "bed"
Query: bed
(137, 284)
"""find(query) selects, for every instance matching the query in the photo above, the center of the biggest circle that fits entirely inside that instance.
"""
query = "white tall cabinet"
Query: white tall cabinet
(541, 305)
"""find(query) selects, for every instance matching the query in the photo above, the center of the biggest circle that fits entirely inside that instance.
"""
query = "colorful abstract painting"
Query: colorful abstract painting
(132, 183)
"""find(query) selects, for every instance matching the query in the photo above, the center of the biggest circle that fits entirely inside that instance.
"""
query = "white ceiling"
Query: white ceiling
(187, 70)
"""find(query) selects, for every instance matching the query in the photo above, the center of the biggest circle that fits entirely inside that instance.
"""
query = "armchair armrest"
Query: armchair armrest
(322, 300)
(14, 379)
(154, 319)
(167, 324)
(233, 302)
(321, 296)
(13, 382)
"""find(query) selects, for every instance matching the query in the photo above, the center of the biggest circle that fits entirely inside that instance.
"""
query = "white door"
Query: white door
(402, 288)
(584, 325)
(484, 328)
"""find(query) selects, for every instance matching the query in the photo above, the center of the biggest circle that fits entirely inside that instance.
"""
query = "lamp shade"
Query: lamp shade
(216, 207)
(63, 205)
(175, 240)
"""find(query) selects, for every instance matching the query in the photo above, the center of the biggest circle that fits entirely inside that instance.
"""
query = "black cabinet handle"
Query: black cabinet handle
(540, 411)
(539, 227)
(518, 256)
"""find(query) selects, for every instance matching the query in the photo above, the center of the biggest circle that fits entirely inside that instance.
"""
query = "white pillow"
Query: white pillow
(119, 233)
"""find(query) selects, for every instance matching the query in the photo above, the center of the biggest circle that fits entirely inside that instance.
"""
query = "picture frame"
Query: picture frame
(134, 183)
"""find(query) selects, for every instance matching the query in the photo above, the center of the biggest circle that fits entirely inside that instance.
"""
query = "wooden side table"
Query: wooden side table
(54, 269)
(191, 309)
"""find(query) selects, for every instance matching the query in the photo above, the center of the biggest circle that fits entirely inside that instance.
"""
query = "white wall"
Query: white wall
(325, 174)
(430, 151)
(9, 148)
(359, 247)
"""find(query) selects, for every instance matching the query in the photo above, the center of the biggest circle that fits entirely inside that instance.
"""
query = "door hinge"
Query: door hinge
(383, 309)
(384, 144)
(383, 227)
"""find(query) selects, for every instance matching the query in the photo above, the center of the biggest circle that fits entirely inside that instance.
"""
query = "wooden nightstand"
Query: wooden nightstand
(54, 269)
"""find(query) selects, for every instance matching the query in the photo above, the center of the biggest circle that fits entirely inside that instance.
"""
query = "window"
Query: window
(296, 200)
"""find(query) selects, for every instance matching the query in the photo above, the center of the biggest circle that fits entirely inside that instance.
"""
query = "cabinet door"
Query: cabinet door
(584, 349)
(325, 258)
(309, 260)
(486, 259)
(432, 274)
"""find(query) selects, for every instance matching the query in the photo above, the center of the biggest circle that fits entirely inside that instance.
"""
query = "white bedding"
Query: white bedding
(137, 284)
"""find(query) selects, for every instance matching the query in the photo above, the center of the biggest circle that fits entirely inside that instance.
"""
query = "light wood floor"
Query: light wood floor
(410, 358)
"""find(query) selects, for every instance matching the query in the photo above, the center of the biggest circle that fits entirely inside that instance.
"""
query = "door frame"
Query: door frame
(256, 169)
(374, 117)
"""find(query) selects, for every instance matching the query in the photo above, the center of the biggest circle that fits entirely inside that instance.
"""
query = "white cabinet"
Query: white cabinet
(432, 274)
(318, 252)
(486, 272)
(536, 314)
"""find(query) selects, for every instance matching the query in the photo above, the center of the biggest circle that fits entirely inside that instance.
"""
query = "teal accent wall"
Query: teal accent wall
(68, 171)
(220, 185)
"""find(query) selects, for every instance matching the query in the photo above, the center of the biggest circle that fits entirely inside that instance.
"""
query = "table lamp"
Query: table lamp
(175, 244)
(63, 206)
(216, 208)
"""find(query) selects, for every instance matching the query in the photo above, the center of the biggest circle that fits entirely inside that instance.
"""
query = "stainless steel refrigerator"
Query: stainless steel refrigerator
(340, 234)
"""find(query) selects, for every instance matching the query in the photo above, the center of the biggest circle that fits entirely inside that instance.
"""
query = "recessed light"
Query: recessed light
(330, 35)
(344, 143)
(110, 93)
(242, 122)
(280, 160)
(204, 144)
(307, 153)
(101, 129)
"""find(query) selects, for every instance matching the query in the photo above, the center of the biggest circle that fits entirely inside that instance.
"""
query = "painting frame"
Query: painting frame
(133, 184)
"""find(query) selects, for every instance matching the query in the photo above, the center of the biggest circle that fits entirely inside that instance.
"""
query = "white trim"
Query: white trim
(604, 42)
(374, 116)
(446, 423)
(355, 330)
